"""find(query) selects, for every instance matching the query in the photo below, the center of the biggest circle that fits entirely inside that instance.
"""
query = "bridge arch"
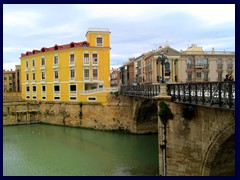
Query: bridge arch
(220, 156)
(145, 116)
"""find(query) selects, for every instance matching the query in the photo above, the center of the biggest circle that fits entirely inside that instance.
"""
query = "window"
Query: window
(205, 63)
(95, 74)
(57, 97)
(72, 74)
(56, 89)
(220, 65)
(55, 60)
(27, 76)
(43, 75)
(99, 41)
(33, 76)
(34, 89)
(43, 61)
(86, 58)
(92, 98)
(72, 59)
(189, 76)
(26, 64)
(220, 77)
(27, 89)
(43, 89)
(43, 97)
(73, 89)
(95, 59)
(33, 63)
(5, 78)
(198, 61)
(199, 74)
(86, 74)
(55, 74)
(10, 77)
(205, 76)
(34, 97)
(73, 98)
(229, 64)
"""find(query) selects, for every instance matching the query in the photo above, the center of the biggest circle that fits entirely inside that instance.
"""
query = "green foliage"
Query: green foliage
(116, 93)
(165, 112)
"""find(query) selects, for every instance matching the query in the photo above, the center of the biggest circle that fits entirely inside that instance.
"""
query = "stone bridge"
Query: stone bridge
(200, 139)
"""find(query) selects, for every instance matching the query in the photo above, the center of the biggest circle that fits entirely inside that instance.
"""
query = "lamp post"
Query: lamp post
(162, 59)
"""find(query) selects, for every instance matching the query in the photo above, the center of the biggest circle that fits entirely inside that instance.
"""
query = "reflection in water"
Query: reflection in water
(56, 150)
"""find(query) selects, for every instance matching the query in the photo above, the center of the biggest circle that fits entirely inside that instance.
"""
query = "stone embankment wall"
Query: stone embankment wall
(204, 145)
(117, 114)
(12, 96)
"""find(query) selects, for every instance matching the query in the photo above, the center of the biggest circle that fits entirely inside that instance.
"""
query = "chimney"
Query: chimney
(212, 50)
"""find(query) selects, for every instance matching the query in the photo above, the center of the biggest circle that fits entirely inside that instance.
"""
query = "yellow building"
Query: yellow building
(71, 72)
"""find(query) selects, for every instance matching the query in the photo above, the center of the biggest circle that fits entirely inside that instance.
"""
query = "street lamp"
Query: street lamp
(162, 59)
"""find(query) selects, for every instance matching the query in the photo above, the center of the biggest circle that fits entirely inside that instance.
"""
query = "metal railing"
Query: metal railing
(144, 91)
(215, 94)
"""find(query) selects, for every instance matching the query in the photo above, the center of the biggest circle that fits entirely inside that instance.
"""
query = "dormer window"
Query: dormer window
(71, 45)
(99, 41)
(56, 47)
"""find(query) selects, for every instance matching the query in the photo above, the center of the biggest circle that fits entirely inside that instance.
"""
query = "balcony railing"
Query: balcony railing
(113, 89)
(205, 66)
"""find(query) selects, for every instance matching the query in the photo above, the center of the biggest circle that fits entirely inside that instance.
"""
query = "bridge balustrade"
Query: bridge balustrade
(215, 94)
(144, 91)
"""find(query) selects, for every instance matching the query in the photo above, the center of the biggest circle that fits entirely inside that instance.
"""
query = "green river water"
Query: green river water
(47, 150)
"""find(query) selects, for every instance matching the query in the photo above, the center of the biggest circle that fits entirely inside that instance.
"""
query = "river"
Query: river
(48, 150)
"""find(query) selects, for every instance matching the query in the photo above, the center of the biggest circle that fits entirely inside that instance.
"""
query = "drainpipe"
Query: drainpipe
(163, 147)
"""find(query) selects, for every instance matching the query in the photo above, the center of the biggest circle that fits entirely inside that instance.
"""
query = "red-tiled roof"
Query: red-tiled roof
(56, 47)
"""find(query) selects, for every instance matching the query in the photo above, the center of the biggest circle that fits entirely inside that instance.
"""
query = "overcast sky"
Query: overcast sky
(134, 28)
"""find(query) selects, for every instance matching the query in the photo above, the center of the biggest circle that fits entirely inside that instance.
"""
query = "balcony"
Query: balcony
(86, 78)
(205, 66)
(55, 80)
(33, 68)
(72, 79)
(55, 65)
(198, 66)
(95, 78)
(73, 93)
(42, 67)
(56, 93)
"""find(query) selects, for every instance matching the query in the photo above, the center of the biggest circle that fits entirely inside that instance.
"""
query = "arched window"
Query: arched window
(56, 47)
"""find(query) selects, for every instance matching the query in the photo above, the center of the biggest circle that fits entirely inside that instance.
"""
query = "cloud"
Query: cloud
(135, 28)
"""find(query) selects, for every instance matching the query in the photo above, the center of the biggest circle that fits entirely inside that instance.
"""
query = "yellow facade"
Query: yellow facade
(74, 72)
